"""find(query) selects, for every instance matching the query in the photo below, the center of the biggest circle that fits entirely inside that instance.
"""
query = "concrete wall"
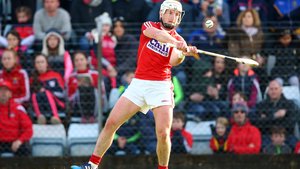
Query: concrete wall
(150, 162)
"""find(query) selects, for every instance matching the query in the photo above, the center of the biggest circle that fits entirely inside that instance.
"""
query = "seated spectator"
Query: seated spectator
(245, 81)
(277, 146)
(18, 77)
(219, 142)
(287, 62)
(276, 110)
(15, 125)
(23, 27)
(83, 14)
(47, 88)
(208, 38)
(288, 11)
(126, 138)
(82, 90)
(182, 140)
(220, 76)
(297, 148)
(51, 17)
(58, 57)
(126, 48)
(244, 138)
(205, 102)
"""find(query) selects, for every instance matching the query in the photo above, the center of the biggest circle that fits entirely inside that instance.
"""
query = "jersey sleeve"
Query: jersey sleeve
(146, 25)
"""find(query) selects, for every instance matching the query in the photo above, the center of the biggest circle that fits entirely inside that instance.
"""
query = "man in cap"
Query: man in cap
(15, 125)
(244, 138)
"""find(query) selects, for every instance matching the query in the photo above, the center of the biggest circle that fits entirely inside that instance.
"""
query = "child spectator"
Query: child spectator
(47, 88)
(18, 77)
(182, 140)
(82, 90)
(218, 143)
(15, 125)
(277, 146)
(58, 57)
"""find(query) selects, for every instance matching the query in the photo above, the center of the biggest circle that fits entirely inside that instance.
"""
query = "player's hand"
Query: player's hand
(191, 51)
(181, 45)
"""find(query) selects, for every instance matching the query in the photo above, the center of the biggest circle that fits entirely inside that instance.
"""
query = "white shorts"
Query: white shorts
(149, 94)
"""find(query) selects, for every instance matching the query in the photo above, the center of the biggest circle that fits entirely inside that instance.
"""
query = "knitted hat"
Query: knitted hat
(240, 106)
(105, 19)
(7, 84)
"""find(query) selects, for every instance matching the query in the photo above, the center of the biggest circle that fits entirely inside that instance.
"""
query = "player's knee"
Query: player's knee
(163, 134)
(111, 124)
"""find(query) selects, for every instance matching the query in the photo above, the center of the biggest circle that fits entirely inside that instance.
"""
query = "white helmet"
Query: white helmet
(174, 5)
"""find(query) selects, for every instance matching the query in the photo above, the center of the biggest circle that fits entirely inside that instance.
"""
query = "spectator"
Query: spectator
(204, 96)
(18, 77)
(31, 4)
(244, 80)
(277, 110)
(220, 76)
(218, 8)
(297, 148)
(47, 88)
(126, 48)
(277, 146)
(219, 142)
(83, 14)
(247, 37)
(244, 138)
(288, 11)
(208, 38)
(58, 57)
(287, 61)
(134, 11)
(182, 140)
(23, 27)
(238, 6)
(126, 138)
(82, 90)
(15, 125)
(51, 17)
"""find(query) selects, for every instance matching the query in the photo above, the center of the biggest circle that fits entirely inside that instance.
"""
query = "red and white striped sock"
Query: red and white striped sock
(95, 161)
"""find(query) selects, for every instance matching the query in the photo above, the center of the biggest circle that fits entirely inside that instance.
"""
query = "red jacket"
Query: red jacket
(73, 80)
(242, 138)
(188, 137)
(14, 123)
(19, 79)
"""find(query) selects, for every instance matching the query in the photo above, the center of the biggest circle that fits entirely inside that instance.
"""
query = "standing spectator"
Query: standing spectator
(126, 48)
(51, 17)
(244, 80)
(58, 57)
(247, 37)
(82, 90)
(277, 146)
(219, 142)
(47, 88)
(15, 125)
(83, 14)
(182, 140)
(244, 138)
(277, 110)
(287, 59)
(18, 77)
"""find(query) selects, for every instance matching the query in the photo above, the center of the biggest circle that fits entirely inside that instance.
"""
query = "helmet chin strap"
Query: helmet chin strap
(167, 25)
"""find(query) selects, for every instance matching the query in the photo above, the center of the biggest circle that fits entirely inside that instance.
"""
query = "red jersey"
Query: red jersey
(153, 56)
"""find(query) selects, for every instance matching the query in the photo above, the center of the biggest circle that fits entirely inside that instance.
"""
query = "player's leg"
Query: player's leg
(163, 120)
(122, 111)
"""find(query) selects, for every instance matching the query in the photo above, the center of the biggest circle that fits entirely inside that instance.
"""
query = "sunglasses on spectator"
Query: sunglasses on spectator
(239, 111)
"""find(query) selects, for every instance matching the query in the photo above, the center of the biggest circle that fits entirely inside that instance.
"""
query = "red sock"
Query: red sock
(95, 159)
(162, 167)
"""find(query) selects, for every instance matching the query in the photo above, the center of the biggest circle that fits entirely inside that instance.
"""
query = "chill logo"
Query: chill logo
(160, 48)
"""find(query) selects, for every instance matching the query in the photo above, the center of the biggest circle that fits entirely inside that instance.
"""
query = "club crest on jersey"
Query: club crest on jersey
(160, 48)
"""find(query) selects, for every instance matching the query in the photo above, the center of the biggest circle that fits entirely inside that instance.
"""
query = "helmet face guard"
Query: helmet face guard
(172, 5)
